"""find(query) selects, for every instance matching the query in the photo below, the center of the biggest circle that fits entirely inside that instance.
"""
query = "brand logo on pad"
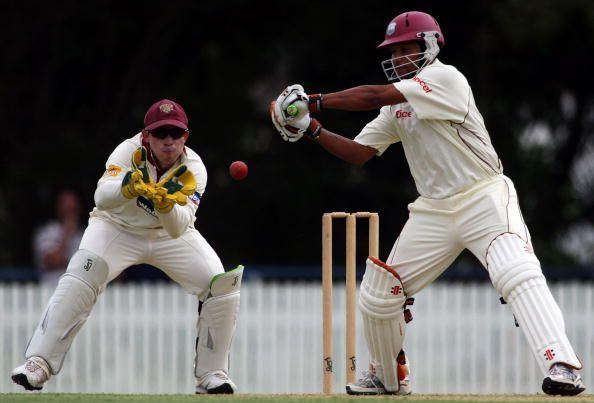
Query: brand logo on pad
(549, 354)
(88, 265)
(396, 290)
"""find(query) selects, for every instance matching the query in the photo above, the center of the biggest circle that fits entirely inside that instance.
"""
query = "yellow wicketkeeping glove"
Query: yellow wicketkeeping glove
(137, 180)
(176, 186)
(163, 202)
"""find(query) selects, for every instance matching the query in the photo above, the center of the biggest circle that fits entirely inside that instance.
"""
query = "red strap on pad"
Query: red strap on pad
(385, 266)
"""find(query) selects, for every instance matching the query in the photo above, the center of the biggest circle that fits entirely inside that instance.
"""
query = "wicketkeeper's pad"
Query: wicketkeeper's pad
(217, 321)
(68, 308)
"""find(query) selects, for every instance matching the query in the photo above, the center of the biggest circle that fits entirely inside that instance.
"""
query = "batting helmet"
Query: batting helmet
(412, 26)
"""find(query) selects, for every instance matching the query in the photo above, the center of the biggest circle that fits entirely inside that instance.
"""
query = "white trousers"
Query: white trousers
(485, 219)
(188, 260)
(437, 231)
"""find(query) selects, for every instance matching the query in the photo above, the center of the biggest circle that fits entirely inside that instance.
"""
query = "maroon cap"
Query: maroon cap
(165, 113)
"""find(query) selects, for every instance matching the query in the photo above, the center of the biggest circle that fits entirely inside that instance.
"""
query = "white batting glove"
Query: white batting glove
(293, 126)
(304, 125)
(292, 95)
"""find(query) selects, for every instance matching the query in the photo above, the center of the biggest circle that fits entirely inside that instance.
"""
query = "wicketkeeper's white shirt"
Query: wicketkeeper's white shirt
(445, 141)
(138, 213)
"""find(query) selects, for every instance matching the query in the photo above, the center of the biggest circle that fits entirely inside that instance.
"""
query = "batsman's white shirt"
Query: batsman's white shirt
(445, 141)
(126, 232)
(465, 199)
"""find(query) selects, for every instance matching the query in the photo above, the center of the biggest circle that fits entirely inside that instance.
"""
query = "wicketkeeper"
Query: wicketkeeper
(465, 202)
(146, 203)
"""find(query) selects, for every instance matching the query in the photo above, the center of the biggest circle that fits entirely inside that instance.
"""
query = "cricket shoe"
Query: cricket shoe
(215, 382)
(369, 384)
(32, 374)
(563, 380)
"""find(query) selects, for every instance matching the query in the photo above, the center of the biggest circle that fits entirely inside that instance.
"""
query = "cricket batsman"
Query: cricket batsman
(465, 202)
(146, 203)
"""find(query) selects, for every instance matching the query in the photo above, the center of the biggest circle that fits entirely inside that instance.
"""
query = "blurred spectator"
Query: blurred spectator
(57, 240)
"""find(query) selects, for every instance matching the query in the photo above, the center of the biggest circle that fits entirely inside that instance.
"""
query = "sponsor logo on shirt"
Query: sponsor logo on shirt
(146, 205)
(423, 84)
(112, 170)
(402, 114)
(195, 197)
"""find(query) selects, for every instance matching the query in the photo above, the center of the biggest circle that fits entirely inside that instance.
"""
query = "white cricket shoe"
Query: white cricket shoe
(369, 384)
(32, 374)
(215, 382)
(562, 380)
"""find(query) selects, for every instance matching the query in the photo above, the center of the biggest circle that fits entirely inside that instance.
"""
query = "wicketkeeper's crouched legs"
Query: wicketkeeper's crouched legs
(68, 308)
(66, 312)
(382, 302)
(216, 327)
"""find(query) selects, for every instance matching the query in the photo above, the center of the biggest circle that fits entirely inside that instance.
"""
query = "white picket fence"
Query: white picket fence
(140, 339)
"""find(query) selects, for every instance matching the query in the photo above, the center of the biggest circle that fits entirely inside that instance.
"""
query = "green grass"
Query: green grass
(109, 398)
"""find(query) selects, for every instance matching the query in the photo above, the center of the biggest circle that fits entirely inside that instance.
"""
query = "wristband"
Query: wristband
(313, 130)
(315, 103)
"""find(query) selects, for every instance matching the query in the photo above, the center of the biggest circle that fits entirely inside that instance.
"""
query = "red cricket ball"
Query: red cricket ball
(238, 170)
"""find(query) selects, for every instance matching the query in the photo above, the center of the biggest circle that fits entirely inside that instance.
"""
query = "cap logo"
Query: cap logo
(391, 28)
(166, 108)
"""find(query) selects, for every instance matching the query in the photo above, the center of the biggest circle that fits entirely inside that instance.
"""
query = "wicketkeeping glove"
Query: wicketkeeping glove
(174, 188)
(137, 180)
(162, 202)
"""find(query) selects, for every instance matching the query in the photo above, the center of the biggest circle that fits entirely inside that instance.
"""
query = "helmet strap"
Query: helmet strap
(431, 46)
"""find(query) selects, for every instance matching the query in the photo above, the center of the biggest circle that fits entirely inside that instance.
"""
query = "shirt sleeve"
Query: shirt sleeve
(108, 194)
(438, 92)
(199, 171)
(177, 221)
(380, 133)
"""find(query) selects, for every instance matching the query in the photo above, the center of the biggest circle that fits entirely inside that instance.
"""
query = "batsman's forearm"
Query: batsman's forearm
(345, 148)
(363, 98)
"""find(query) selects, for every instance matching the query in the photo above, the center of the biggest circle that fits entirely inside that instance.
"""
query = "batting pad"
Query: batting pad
(68, 308)
(381, 300)
(515, 271)
(216, 324)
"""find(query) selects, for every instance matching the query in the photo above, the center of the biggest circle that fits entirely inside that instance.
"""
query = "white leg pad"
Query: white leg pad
(381, 300)
(516, 274)
(68, 308)
(216, 325)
